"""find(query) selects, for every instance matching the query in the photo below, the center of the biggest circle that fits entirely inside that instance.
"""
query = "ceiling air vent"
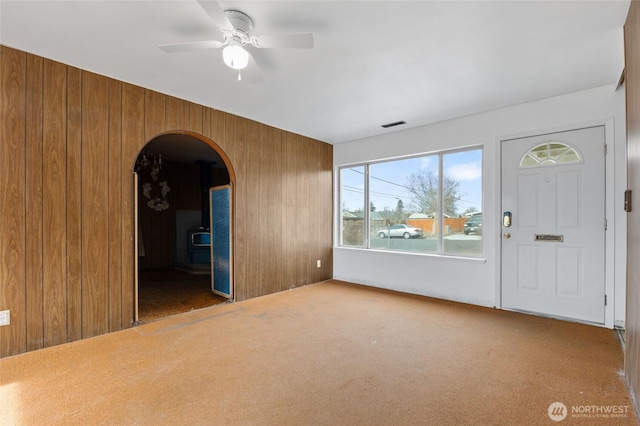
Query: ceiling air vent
(397, 123)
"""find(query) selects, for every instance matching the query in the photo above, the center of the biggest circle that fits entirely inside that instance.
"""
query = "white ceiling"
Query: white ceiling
(373, 62)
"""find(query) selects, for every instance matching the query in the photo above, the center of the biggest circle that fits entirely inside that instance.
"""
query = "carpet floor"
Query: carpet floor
(326, 354)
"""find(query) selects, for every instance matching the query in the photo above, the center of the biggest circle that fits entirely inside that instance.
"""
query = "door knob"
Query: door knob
(507, 235)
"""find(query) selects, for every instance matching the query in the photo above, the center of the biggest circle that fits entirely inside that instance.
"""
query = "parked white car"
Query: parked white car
(400, 230)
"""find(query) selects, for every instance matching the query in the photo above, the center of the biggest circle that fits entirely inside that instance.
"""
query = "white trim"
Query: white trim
(610, 249)
(475, 282)
(136, 248)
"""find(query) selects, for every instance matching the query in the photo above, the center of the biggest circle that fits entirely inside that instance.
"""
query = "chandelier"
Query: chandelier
(155, 193)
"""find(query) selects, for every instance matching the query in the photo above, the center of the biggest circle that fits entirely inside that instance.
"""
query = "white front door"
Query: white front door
(553, 254)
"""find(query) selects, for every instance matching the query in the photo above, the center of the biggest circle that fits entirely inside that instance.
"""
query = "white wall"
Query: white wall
(478, 281)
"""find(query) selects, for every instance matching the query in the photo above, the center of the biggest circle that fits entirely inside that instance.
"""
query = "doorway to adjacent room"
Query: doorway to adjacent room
(174, 174)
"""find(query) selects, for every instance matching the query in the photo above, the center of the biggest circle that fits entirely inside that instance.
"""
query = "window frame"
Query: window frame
(550, 160)
(440, 217)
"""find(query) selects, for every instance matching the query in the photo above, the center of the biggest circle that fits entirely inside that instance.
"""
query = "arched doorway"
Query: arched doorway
(175, 172)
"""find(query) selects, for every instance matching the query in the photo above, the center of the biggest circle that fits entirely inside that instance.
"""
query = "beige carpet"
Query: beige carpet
(325, 354)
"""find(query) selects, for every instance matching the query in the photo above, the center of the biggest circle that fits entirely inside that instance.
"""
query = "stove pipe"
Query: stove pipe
(206, 182)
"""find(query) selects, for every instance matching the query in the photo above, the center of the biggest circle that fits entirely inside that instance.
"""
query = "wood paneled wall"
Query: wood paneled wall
(68, 142)
(632, 83)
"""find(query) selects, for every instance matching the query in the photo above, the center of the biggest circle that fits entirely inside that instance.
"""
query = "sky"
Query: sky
(389, 180)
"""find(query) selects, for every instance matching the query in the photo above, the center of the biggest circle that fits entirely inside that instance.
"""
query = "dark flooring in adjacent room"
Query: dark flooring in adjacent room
(163, 292)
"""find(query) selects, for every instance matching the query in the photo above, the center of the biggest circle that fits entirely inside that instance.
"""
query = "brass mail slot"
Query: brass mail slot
(550, 238)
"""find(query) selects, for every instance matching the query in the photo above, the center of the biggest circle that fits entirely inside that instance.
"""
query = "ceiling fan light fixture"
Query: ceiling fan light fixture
(235, 56)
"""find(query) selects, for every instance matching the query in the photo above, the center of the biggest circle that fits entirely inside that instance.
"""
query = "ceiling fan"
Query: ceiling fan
(237, 28)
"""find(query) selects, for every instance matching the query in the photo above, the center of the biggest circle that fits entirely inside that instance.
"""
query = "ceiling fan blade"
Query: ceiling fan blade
(191, 45)
(303, 41)
(216, 13)
(252, 73)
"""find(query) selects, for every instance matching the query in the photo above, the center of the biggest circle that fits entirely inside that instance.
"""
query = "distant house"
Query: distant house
(420, 216)
(347, 215)
(353, 226)
(467, 215)
(374, 217)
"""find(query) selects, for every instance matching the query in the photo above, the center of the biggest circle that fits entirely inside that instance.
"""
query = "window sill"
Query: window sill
(446, 257)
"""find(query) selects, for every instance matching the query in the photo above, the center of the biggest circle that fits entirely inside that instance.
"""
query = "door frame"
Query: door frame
(613, 254)
(232, 181)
